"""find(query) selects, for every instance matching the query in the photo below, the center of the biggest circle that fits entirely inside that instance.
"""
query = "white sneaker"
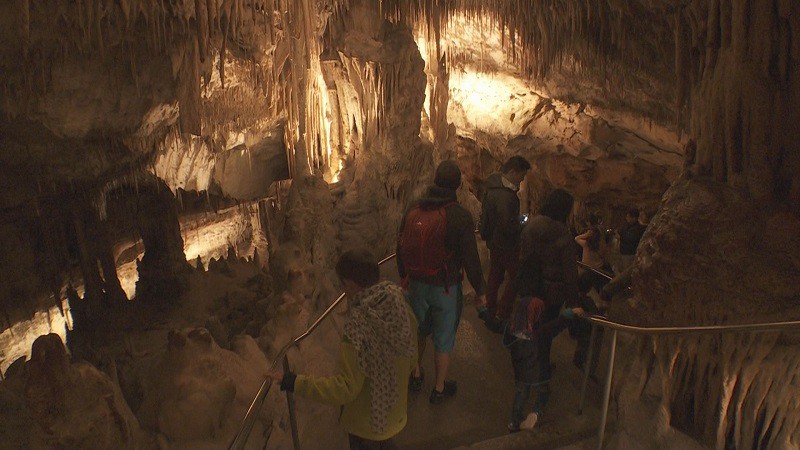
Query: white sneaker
(529, 422)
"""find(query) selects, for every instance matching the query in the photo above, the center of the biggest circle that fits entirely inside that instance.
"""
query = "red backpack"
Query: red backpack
(422, 242)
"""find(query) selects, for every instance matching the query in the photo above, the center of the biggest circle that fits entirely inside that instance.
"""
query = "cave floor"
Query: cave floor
(481, 409)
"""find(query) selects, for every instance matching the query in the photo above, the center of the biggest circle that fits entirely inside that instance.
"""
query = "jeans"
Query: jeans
(522, 391)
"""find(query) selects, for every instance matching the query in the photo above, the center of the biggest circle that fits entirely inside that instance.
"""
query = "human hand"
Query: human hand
(275, 374)
(580, 312)
(480, 301)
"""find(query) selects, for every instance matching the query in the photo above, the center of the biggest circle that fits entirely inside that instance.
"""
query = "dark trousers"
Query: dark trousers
(500, 263)
(522, 392)
(583, 336)
(359, 443)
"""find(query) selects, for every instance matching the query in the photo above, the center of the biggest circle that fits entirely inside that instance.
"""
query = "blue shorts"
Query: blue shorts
(438, 311)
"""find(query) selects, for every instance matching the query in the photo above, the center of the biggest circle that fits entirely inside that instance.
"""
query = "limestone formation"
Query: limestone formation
(136, 134)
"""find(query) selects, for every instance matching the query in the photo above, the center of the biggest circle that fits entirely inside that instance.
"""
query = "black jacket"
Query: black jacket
(459, 240)
(500, 225)
(530, 359)
(629, 237)
(550, 244)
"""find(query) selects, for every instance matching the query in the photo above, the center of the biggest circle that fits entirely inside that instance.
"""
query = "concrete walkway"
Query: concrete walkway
(481, 409)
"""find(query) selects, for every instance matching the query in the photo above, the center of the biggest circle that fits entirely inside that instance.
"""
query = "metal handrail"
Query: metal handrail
(258, 401)
(616, 327)
(605, 274)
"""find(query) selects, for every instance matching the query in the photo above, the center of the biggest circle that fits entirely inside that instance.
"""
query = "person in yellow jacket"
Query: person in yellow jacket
(377, 352)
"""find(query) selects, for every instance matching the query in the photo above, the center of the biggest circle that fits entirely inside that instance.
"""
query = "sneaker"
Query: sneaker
(529, 421)
(415, 383)
(450, 388)
(513, 427)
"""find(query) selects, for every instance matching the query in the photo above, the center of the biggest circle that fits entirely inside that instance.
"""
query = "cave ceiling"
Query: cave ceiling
(95, 89)
(92, 89)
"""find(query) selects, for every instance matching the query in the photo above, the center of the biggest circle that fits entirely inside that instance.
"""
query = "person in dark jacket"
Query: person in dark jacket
(547, 256)
(631, 233)
(500, 227)
(437, 300)
(546, 238)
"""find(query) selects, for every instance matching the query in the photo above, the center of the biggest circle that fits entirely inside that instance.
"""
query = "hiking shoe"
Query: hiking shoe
(450, 388)
(513, 427)
(415, 383)
(529, 421)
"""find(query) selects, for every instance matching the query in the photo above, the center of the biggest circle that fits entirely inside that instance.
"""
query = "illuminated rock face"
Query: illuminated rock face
(75, 405)
(611, 159)
(196, 390)
(94, 93)
(713, 255)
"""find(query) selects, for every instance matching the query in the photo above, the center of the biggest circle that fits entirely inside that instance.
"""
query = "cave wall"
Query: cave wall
(723, 75)
(93, 92)
(740, 72)
(482, 107)
(380, 85)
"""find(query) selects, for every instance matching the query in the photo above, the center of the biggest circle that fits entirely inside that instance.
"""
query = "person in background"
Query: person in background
(644, 219)
(631, 233)
(436, 242)
(594, 243)
(377, 352)
(500, 227)
(582, 330)
(596, 246)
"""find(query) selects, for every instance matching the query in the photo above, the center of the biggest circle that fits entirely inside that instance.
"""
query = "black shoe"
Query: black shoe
(415, 383)
(450, 388)
(494, 324)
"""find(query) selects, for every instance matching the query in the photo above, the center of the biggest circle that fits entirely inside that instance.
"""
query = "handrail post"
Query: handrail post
(607, 391)
(292, 415)
(587, 366)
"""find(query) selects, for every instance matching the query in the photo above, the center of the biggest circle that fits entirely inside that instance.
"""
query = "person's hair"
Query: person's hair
(594, 240)
(360, 266)
(516, 163)
(585, 282)
(558, 205)
(634, 212)
(598, 235)
(448, 175)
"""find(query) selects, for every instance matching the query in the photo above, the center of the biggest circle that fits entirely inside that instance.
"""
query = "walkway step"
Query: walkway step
(573, 431)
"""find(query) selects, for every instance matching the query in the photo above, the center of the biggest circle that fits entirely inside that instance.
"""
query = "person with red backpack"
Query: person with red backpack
(435, 243)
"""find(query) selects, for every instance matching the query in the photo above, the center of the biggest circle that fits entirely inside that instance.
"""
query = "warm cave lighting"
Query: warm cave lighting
(15, 342)
(335, 178)
(482, 97)
(211, 240)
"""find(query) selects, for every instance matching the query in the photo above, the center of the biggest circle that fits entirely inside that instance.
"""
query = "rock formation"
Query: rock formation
(128, 126)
